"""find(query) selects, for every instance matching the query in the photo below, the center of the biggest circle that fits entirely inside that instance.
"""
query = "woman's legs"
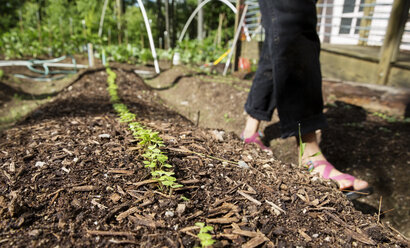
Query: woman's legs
(289, 78)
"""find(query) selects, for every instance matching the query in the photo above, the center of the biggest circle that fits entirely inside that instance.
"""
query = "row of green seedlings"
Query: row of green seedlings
(155, 158)
(148, 141)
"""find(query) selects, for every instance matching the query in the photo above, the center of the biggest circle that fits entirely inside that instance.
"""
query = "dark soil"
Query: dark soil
(64, 184)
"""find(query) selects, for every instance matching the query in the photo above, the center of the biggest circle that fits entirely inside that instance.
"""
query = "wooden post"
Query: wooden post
(119, 12)
(167, 32)
(100, 29)
(237, 51)
(90, 55)
(392, 39)
(366, 22)
(219, 35)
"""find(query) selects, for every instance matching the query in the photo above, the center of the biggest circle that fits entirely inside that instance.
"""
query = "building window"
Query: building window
(349, 21)
(345, 25)
(348, 6)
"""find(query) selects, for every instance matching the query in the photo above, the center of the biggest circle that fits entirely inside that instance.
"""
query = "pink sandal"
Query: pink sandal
(348, 191)
(255, 138)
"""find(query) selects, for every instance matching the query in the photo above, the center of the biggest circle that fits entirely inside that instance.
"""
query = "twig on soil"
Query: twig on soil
(190, 181)
(321, 208)
(275, 206)
(164, 195)
(245, 233)
(227, 236)
(3, 240)
(222, 220)
(337, 219)
(114, 241)
(145, 182)
(233, 189)
(304, 235)
(144, 221)
(360, 237)
(55, 192)
(110, 233)
(121, 171)
(84, 188)
(250, 198)
(196, 214)
(254, 242)
(398, 232)
(387, 211)
(189, 228)
(201, 154)
(54, 198)
(125, 214)
(96, 203)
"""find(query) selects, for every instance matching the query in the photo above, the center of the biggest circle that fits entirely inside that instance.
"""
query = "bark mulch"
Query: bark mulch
(71, 175)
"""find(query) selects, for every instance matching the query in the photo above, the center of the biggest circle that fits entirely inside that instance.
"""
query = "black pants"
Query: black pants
(288, 76)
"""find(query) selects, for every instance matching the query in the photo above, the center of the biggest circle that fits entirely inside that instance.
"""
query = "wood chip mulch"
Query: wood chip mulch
(72, 175)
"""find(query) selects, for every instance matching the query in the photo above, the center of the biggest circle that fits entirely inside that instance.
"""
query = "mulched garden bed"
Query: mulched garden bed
(72, 175)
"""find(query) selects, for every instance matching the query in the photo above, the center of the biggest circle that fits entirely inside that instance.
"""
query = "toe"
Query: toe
(360, 184)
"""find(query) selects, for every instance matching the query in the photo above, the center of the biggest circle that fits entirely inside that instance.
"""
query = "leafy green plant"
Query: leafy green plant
(204, 236)
(1, 74)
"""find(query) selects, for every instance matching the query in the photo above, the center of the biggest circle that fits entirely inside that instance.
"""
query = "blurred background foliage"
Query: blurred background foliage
(50, 28)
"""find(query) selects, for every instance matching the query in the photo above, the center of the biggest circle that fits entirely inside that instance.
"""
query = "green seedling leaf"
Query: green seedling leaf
(316, 154)
(207, 229)
(200, 224)
(177, 186)
(204, 236)
(184, 198)
(207, 242)
(167, 165)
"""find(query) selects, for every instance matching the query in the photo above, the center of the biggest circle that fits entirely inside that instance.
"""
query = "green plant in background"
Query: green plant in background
(390, 119)
(149, 141)
(17, 97)
(1, 73)
(226, 118)
(204, 236)
(59, 27)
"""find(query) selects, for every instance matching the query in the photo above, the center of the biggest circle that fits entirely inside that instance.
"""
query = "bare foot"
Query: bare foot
(312, 153)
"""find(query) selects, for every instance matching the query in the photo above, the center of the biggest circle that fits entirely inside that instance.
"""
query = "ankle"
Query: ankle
(251, 127)
(312, 150)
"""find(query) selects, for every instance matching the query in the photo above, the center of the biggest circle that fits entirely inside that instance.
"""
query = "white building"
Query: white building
(339, 22)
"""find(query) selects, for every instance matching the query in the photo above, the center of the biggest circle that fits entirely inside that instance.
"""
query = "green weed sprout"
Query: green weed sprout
(204, 236)
(302, 147)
